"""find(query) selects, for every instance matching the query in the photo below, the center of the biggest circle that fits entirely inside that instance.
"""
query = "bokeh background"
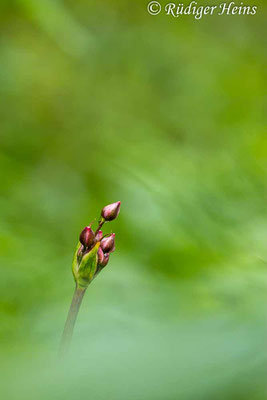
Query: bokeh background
(102, 102)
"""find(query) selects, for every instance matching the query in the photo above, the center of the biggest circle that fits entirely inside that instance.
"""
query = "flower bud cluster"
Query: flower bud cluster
(94, 248)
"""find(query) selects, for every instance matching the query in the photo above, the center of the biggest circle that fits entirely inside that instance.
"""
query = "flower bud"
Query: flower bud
(100, 256)
(98, 236)
(106, 260)
(111, 211)
(108, 243)
(80, 253)
(87, 236)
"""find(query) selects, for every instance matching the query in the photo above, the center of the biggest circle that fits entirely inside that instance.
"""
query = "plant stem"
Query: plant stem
(71, 318)
(101, 223)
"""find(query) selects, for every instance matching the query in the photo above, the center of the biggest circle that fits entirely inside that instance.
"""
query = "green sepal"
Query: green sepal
(84, 271)
(75, 262)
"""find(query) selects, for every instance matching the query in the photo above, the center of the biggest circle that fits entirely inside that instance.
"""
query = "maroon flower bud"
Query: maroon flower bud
(100, 256)
(80, 253)
(87, 236)
(108, 243)
(106, 260)
(98, 236)
(80, 250)
(111, 211)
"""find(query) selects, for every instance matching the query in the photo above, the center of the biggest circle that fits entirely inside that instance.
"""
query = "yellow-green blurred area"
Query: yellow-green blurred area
(101, 102)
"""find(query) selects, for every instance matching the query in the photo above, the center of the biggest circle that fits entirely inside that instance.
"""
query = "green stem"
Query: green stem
(71, 318)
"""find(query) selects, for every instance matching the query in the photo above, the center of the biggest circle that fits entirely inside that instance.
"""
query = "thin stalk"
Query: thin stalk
(100, 224)
(71, 318)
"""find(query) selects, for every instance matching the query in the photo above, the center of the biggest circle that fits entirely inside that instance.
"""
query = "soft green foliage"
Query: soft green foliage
(102, 102)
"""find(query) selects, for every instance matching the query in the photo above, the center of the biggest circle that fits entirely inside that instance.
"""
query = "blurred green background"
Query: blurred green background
(100, 102)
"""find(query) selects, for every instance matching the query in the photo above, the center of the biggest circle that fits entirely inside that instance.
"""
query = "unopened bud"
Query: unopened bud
(98, 236)
(106, 260)
(108, 243)
(87, 236)
(80, 253)
(111, 211)
(100, 256)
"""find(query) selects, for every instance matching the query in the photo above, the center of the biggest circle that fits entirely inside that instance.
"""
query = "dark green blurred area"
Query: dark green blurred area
(100, 102)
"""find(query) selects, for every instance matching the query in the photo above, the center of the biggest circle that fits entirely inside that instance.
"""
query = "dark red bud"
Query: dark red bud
(100, 256)
(98, 236)
(108, 243)
(111, 211)
(87, 236)
(106, 260)
(80, 253)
